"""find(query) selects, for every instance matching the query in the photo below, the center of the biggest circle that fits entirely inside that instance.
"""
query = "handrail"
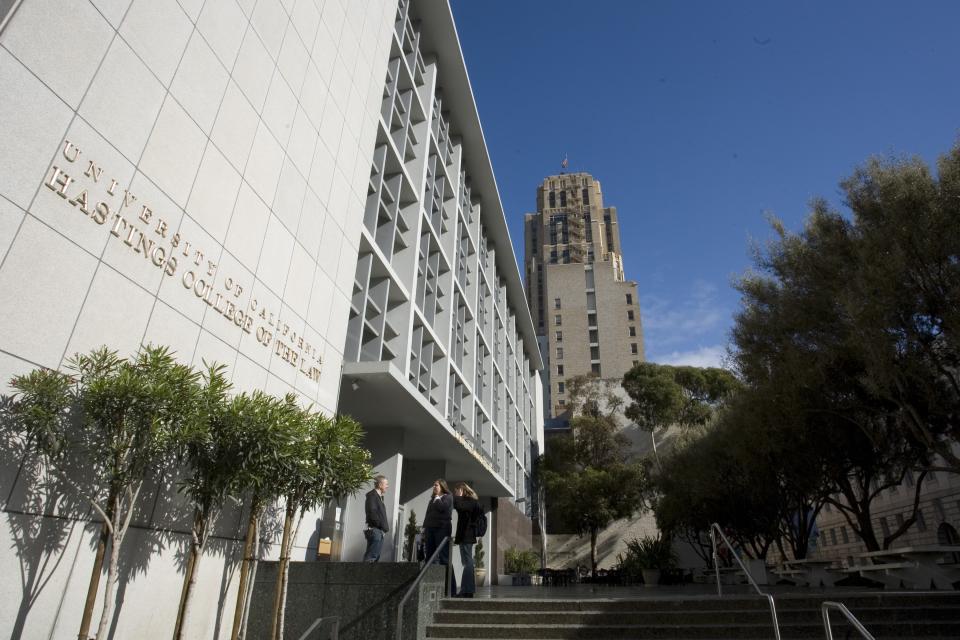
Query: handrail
(716, 567)
(335, 632)
(825, 607)
(416, 582)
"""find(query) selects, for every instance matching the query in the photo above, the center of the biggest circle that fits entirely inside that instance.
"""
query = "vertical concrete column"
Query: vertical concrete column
(386, 448)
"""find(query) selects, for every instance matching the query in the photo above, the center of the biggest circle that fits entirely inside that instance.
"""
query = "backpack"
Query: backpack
(481, 524)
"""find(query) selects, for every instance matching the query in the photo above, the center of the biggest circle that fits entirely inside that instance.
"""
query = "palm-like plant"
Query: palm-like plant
(330, 463)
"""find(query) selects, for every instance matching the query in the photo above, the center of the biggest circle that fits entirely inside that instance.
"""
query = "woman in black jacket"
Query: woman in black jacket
(437, 524)
(468, 512)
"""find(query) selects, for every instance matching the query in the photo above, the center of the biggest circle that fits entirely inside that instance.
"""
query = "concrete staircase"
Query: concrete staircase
(888, 616)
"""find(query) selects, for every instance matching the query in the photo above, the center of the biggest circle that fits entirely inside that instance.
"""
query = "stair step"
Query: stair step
(912, 630)
(866, 616)
(891, 616)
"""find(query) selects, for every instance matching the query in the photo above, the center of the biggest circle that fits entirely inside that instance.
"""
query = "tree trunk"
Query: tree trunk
(197, 543)
(245, 563)
(276, 633)
(94, 586)
(593, 552)
(118, 533)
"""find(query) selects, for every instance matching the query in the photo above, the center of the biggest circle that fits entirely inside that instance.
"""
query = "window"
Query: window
(908, 478)
(563, 198)
(559, 369)
(921, 521)
(833, 537)
(633, 348)
(899, 520)
(562, 402)
(843, 534)
(595, 368)
(594, 336)
(559, 336)
(594, 353)
(556, 303)
(557, 320)
(586, 196)
(633, 332)
(938, 509)
(629, 298)
(553, 199)
(561, 387)
(559, 353)
(884, 526)
(636, 362)
(630, 314)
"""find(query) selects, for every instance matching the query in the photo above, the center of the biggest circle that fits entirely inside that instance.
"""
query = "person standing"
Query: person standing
(377, 523)
(438, 524)
(466, 502)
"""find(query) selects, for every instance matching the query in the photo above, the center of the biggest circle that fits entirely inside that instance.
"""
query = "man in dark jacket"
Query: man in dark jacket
(377, 523)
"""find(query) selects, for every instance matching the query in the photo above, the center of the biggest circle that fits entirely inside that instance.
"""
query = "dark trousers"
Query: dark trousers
(468, 582)
(434, 536)
(374, 544)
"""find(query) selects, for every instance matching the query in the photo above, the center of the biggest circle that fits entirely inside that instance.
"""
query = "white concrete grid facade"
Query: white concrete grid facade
(438, 319)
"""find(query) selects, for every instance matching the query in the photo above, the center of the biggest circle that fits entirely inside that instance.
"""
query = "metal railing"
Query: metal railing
(334, 632)
(444, 543)
(714, 530)
(852, 619)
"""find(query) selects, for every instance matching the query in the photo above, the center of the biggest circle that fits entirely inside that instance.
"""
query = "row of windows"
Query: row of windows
(552, 198)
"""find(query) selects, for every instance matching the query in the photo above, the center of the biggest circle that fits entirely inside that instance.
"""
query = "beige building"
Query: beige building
(586, 313)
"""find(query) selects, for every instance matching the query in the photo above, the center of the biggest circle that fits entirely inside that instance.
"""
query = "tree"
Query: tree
(268, 435)
(798, 341)
(586, 473)
(215, 462)
(329, 463)
(665, 395)
(117, 419)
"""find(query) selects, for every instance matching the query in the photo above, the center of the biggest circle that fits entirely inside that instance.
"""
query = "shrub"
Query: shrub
(523, 562)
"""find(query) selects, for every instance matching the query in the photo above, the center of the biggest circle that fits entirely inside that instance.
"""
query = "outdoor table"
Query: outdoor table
(812, 572)
(918, 567)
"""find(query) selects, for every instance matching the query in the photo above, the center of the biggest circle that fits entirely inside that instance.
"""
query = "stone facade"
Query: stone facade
(586, 313)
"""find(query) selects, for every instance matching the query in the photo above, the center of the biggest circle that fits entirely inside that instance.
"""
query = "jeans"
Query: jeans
(434, 537)
(468, 581)
(374, 544)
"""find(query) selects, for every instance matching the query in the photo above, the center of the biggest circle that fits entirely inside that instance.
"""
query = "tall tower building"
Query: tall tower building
(587, 315)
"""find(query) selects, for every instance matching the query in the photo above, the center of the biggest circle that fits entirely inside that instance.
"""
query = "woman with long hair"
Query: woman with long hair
(467, 504)
(437, 525)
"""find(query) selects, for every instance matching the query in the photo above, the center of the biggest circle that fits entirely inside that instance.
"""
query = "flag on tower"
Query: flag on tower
(565, 163)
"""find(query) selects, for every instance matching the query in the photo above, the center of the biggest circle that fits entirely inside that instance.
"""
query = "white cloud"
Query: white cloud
(673, 322)
(712, 356)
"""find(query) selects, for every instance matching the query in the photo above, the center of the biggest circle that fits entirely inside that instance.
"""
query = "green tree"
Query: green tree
(268, 435)
(215, 466)
(586, 473)
(116, 419)
(329, 464)
(664, 395)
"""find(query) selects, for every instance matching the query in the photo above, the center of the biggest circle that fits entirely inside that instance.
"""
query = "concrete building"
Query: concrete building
(299, 189)
(586, 313)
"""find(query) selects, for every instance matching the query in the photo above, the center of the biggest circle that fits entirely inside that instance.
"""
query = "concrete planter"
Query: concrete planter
(480, 576)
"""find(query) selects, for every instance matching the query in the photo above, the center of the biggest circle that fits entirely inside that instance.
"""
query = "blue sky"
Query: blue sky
(700, 118)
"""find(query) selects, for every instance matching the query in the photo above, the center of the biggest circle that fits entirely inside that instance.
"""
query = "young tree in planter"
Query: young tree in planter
(330, 464)
(211, 447)
(268, 431)
(117, 418)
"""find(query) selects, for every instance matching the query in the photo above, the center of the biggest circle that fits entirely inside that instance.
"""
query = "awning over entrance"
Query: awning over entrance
(380, 397)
